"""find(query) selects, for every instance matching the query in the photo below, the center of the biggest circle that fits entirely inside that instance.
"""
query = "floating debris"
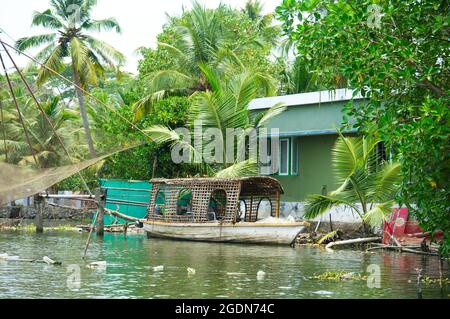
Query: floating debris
(49, 261)
(158, 268)
(323, 292)
(431, 281)
(260, 275)
(191, 271)
(44, 260)
(236, 274)
(9, 258)
(285, 287)
(100, 265)
(339, 275)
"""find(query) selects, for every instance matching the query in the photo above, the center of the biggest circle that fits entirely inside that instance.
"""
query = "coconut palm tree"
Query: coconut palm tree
(200, 37)
(298, 79)
(223, 107)
(70, 22)
(254, 10)
(367, 186)
(44, 142)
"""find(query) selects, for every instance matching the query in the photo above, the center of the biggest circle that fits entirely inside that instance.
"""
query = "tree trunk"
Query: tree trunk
(83, 112)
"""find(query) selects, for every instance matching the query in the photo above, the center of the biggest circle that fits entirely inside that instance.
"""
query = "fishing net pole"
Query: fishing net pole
(19, 179)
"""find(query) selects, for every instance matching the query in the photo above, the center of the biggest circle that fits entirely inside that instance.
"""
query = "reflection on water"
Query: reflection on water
(222, 270)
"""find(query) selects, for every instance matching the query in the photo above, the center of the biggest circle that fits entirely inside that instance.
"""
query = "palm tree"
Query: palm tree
(70, 22)
(44, 142)
(254, 10)
(223, 107)
(200, 38)
(363, 180)
(298, 79)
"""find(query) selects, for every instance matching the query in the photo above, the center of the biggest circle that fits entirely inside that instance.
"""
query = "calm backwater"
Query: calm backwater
(222, 270)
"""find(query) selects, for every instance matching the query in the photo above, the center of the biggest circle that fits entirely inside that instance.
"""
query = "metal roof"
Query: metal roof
(305, 99)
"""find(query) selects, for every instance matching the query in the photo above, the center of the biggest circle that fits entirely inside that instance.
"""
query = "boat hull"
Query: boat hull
(255, 233)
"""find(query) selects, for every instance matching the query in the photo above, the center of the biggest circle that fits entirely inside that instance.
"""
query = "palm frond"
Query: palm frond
(327, 236)
(263, 117)
(240, 169)
(46, 19)
(164, 135)
(145, 105)
(316, 205)
(380, 213)
(55, 62)
(386, 182)
(79, 53)
(102, 25)
(345, 155)
(174, 50)
(35, 41)
(160, 84)
(109, 54)
(211, 77)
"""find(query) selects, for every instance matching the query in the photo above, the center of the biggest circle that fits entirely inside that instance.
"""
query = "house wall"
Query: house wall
(314, 125)
(315, 169)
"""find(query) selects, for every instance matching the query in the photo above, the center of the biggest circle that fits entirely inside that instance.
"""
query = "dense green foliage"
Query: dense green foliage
(222, 39)
(223, 107)
(149, 160)
(396, 54)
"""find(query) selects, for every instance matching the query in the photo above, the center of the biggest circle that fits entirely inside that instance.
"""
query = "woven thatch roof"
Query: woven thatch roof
(259, 185)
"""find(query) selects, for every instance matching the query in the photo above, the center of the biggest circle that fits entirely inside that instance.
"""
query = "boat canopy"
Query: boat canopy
(205, 199)
(258, 185)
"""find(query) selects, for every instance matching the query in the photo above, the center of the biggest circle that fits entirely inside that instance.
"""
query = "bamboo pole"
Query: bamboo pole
(123, 216)
(89, 236)
(76, 197)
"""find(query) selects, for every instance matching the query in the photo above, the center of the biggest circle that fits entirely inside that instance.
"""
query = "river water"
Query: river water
(221, 270)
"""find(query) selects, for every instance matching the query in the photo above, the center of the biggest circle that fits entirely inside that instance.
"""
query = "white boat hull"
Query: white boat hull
(255, 233)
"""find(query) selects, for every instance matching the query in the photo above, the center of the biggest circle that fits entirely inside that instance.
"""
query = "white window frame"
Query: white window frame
(288, 148)
(294, 162)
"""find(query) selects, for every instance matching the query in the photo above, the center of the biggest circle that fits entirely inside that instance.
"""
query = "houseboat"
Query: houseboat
(219, 210)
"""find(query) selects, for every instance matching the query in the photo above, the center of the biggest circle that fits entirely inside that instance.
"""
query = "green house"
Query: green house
(307, 133)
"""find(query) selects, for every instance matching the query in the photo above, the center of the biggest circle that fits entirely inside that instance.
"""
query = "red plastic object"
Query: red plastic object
(396, 225)
(412, 227)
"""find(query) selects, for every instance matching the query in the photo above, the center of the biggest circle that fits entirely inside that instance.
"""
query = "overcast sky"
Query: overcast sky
(141, 20)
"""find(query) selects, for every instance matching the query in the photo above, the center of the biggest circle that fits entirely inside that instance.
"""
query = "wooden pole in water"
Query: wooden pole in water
(39, 219)
(419, 283)
(100, 199)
